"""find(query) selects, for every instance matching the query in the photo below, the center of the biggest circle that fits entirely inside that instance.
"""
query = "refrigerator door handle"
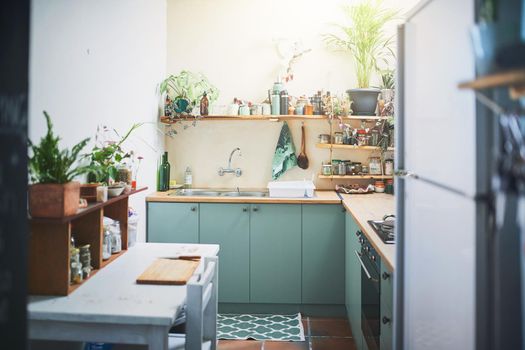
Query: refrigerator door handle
(403, 173)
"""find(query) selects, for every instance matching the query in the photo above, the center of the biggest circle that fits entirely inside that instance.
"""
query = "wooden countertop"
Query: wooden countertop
(320, 197)
(373, 207)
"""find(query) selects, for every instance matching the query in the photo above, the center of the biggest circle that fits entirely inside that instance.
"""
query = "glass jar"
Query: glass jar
(374, 137)
(379, 186)
(342, 168)
(364, 169)
(116, 238)
(335, 166)
(357, 168)
(338, 138)
(361, 137)
(106, 244)
(389, 167)
(327, 169)
(324, 138)
(76, 272)
(374, 166)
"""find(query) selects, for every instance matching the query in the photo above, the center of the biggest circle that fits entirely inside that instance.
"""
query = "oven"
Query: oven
(370, 293)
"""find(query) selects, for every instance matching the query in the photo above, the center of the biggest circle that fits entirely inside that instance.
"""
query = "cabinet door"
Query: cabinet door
(353, 279)
(323, 254)
(275, 253)
(229, 226)
(387, 299)
(173, 222)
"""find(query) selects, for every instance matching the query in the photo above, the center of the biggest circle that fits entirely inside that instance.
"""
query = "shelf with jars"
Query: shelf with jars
(352, 147)
(356, 177)
(168, 120)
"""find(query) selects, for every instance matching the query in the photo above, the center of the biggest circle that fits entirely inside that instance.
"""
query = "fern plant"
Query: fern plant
(364, 38)
(49, 164)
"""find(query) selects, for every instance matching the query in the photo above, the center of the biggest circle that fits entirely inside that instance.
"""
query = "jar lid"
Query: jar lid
(361, 131)
(336, 161)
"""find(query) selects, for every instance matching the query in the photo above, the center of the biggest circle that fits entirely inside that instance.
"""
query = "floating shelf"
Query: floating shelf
(355, 177)
(513, 79)
(351, 147)
(166, 120)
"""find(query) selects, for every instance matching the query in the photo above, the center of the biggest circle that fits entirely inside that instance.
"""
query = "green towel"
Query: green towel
(284, 157)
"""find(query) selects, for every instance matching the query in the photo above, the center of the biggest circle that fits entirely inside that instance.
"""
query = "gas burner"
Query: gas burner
(385, 228)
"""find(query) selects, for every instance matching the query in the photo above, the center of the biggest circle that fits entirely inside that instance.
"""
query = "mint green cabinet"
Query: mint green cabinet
(323, 250)
(387, 298)
(173, 222)
(229, 226)
(275, 253)
(353, 280)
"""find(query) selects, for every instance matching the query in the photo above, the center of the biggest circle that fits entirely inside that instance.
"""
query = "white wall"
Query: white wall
(98, 62)
(232, 43)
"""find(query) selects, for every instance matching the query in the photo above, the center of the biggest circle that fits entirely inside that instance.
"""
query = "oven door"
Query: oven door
(370, 300)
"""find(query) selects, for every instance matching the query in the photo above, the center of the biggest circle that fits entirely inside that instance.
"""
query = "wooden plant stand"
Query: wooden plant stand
(49, 243)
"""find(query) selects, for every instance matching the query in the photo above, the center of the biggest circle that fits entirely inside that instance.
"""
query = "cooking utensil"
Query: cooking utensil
(302, 159)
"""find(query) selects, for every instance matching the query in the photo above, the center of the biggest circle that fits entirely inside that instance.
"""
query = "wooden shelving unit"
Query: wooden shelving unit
(351, 147)
(166, 120)
(49, 261)
(355, 177)
(513, 79)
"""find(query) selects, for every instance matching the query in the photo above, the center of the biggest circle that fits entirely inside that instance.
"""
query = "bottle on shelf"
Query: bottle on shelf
(164, 173)
(284, 103)
(204, 104)
(188, 178)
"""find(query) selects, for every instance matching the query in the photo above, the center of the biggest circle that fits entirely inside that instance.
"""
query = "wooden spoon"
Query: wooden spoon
(302, 159)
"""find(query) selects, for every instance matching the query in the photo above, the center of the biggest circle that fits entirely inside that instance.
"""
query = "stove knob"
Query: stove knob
(373, 257)
(386, 320)
(386, 275)
(367, 248)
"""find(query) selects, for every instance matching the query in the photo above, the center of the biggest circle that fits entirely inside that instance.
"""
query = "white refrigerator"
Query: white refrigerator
(438, 189)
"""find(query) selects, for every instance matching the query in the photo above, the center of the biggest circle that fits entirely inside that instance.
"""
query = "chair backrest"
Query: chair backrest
(201, 313)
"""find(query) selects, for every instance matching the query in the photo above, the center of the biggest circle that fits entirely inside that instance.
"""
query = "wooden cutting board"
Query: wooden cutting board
(168, 272)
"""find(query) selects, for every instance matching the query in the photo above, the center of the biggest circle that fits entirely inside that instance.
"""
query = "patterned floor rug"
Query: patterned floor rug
(260, 327)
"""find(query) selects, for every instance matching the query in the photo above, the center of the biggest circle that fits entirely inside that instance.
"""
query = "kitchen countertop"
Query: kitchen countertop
(320, 197)
(373, 207)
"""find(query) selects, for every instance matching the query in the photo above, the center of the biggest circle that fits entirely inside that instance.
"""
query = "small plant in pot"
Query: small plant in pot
(53, 193)
(105, 158)
(364, 39)
(386, 103)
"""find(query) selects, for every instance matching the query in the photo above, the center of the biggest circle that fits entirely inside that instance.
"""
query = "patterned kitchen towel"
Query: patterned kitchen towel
(260, 327)
(284, 157)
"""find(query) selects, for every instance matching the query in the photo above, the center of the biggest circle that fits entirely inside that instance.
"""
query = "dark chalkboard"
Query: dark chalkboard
(14, 51)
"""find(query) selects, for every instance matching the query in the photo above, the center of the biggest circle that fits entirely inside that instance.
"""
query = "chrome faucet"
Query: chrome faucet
(229, 170)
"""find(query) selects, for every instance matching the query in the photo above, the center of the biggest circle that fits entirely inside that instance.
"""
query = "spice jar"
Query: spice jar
(357, 168)
(324, 138)
(374, 166)
(327, 169)
(374, 137)
(338, 138)
(76, 273)
(362, 139)
(389, 167)
(308, 109)
(364, 169)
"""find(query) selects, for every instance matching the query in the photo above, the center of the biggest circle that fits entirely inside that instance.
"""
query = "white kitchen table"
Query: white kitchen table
(111, 307)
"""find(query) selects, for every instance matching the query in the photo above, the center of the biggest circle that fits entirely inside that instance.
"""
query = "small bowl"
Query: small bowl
(114, 191)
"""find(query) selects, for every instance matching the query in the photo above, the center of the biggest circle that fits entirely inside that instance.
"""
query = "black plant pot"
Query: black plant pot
(364, 101)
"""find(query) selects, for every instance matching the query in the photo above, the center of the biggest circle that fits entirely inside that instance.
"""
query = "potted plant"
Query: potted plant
(386, 102)
(105, 158)
(53, 193)
(184, 91)
(364, 39)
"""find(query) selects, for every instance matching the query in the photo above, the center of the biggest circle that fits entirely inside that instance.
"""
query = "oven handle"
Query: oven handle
(364, 267)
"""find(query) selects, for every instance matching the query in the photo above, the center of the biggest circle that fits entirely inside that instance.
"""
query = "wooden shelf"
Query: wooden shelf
(351, 147)
(166, 120)
(50, 243)
(355, 177)
(513, 79)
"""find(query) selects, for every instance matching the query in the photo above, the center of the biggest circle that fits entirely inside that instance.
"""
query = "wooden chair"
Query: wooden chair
(201, 311)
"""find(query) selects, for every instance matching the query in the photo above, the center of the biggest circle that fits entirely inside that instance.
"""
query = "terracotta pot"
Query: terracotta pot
(54, 200)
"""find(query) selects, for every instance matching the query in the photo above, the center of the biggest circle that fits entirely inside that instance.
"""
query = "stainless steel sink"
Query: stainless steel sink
(218, 193)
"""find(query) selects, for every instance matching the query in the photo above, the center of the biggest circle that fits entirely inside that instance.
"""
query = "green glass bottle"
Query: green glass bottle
(164, 173)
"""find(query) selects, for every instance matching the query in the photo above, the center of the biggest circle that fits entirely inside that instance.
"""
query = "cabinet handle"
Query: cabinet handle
(386, 276)
(255, 208)
(386, 320)
(245, 209)
(193, 208)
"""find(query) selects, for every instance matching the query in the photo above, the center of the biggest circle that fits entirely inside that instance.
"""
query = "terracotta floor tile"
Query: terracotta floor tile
(333, 344)
(239, 345)
(285, 345)
(330, 327)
